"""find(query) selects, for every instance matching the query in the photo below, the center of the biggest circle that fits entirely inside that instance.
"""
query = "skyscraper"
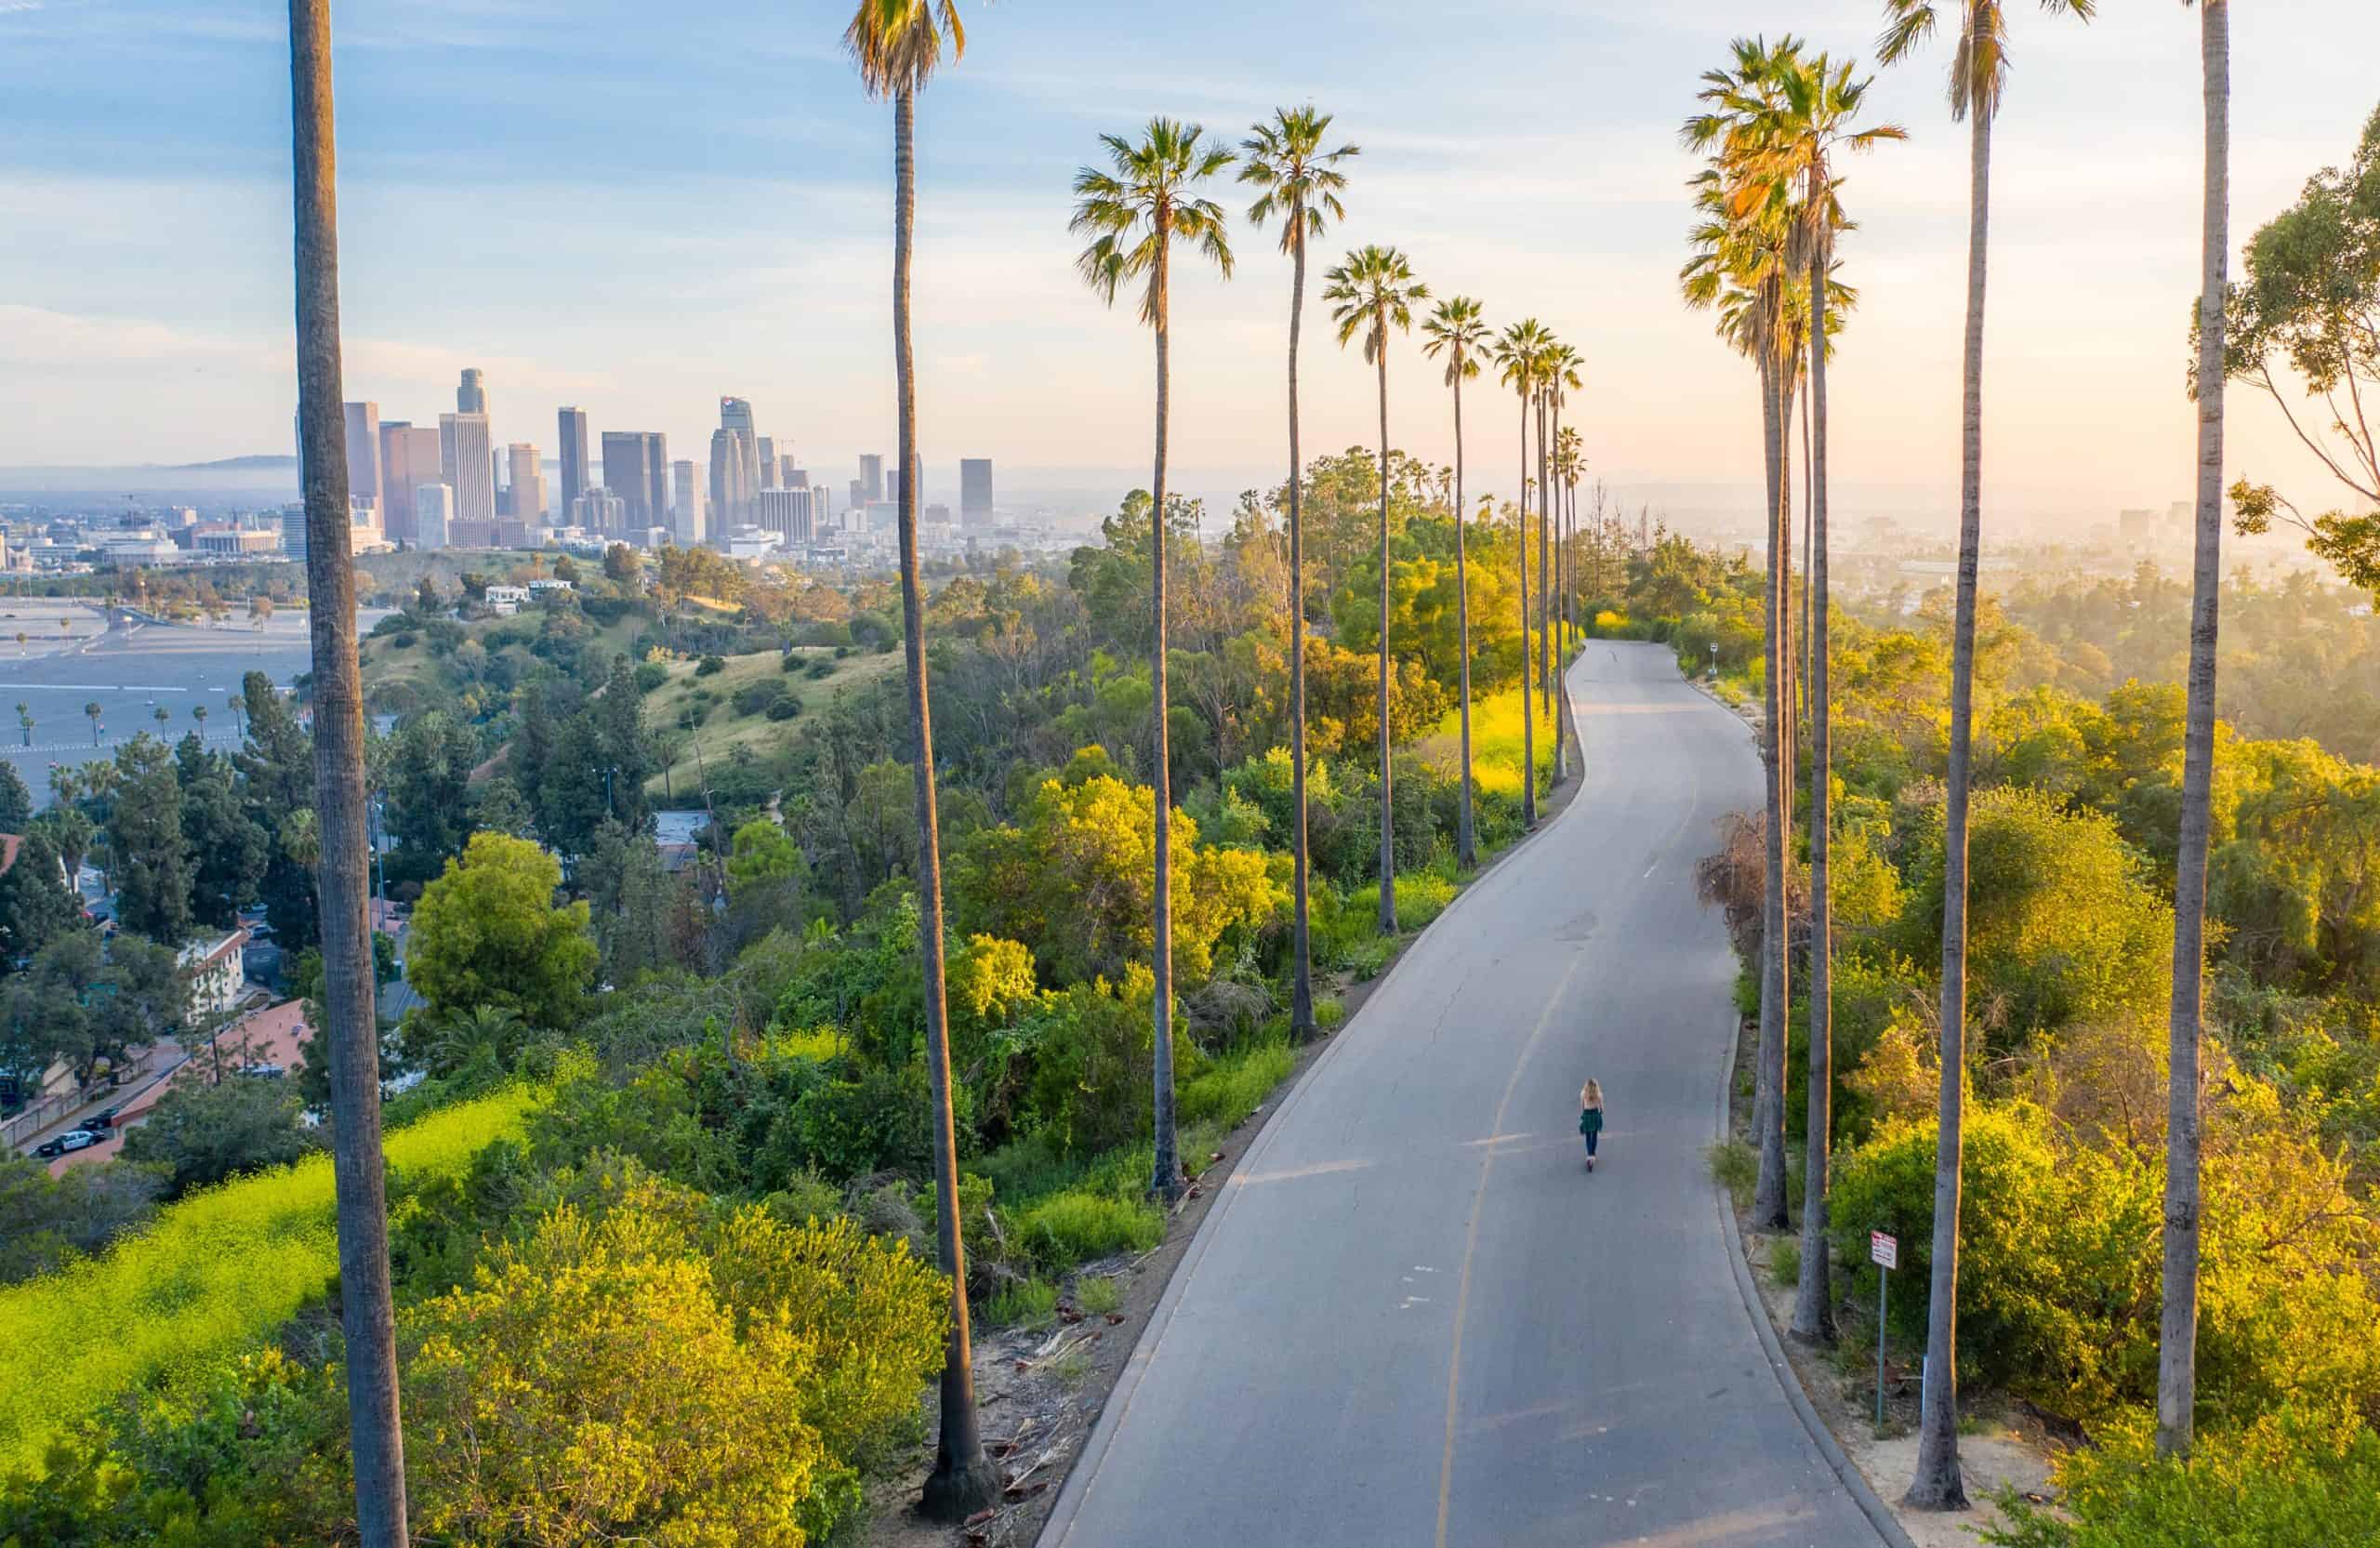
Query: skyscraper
(686, 510)
(364, 453)
(792, 514)
(871, 477)
(734, 468)
(528, 484)
(470, 397)
(975, 492)
(466, 466)
(572, 425)
(433, 514)
(859, 494)
(917, 477)
(636, 467)
(768, 461)
(408, 459)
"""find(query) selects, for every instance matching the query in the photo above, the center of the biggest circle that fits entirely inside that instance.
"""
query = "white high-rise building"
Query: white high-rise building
(433, 514)
(791, 514)
(686, 509)
(466, 465)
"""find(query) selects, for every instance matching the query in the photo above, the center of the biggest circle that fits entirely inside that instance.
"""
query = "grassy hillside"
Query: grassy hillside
(727, 709)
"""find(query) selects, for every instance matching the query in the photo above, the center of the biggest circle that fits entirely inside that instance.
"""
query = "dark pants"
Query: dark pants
(1592, 1136)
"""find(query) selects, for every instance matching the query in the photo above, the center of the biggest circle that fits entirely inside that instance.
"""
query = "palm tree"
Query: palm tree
(1373, 291)
(1741, 267)
(1456, 332)
(1978, 72)
(1792, 144)
(93, 710)
(897, 45)
(2177, 1330)
(1521, 352)
(1134, 214)
(350, 1027)
(198, 713)
(25, 721)
(161, 715)
(1301, 182)
(1562, 376)
(1569, 462)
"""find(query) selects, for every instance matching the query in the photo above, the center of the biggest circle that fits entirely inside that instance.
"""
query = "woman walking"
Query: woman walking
(1591, 1118)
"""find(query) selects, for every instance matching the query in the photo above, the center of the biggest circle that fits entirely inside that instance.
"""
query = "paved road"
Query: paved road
(1414, 1319)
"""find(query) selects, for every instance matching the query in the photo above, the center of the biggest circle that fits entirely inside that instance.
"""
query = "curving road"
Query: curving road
(1414, 1319)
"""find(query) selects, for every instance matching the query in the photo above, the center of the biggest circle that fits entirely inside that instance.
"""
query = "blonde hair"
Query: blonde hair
(1591, 1096)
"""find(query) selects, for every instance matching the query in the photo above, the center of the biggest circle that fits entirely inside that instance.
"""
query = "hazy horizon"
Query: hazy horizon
(632, 218)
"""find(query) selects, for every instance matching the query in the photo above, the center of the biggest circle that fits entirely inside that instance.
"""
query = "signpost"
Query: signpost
(1884, 1253)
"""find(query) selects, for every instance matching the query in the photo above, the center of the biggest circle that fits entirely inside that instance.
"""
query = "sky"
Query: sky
(637, 208)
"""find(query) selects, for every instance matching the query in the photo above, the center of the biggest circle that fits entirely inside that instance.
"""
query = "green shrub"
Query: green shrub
(2285, 1481)
(1330, 1014)
(1368, 959)
(1785, 1260)
(1078, 1226)
(1026, 1303)
(710, 665)
(1097, 1294)
(821, 669)
(650, 675)
(1235, 1085)
(1736, 1167)
(784, 708)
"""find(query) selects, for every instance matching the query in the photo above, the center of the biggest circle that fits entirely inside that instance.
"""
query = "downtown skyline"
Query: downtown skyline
(121, 348)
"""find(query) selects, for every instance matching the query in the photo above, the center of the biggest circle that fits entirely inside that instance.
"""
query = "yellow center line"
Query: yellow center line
(1470, 1245)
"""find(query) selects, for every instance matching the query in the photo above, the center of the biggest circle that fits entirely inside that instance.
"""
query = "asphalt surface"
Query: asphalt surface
(1415, 1318)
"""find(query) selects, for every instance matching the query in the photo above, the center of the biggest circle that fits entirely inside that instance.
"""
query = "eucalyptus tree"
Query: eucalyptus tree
(1790, 165)
(898, 46)
(1134, 212)
(350, 1030)
(2177, 1328)
(1456, 332)
(1521, 355)
(1979, 77)
(1371, 293)
(1299, 183)
(1741, 269)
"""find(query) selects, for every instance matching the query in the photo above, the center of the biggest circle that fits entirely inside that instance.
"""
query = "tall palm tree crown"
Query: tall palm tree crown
(1299, 183)
(1522, 353)
(897, 45)
(1456, 332)
(1371, 293)
(1134, 213)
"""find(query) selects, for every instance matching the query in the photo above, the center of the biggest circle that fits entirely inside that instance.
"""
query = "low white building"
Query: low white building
(217, 966)
(506, 599)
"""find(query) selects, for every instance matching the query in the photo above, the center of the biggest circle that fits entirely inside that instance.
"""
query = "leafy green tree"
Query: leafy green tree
(1300, 181)
(1134, 214)
(151, 854)
(623, 567)
(1370, 293)
(202, 1132)
(229, 851)
(429, 793)
(36, 905)
(48, 1222)
(2310, 301)
(488, 933)
(277, 771)
(16, 801)
(630, 900)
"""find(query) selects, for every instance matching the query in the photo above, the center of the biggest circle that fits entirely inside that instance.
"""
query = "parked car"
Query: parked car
(66, 1143)
(263, 1072)
(103, 1118)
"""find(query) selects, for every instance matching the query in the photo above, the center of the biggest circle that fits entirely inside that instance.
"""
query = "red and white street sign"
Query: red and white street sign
(1884, 1250)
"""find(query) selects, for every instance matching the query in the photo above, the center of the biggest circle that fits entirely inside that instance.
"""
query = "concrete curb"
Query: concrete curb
(1854, 1483)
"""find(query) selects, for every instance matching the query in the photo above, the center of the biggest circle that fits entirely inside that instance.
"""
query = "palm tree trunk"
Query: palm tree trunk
(963, 1481)
(1387, 813)
(1939, 1484)
(367, 1304)
(1809, 535)
(2177, 1328)
(1466, 845)
(1528, 717)
(1814, 1299)
(1770, 1190)
(1544, 584)
(1301, 1027)
(1554, 642)
(1167, 1182)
